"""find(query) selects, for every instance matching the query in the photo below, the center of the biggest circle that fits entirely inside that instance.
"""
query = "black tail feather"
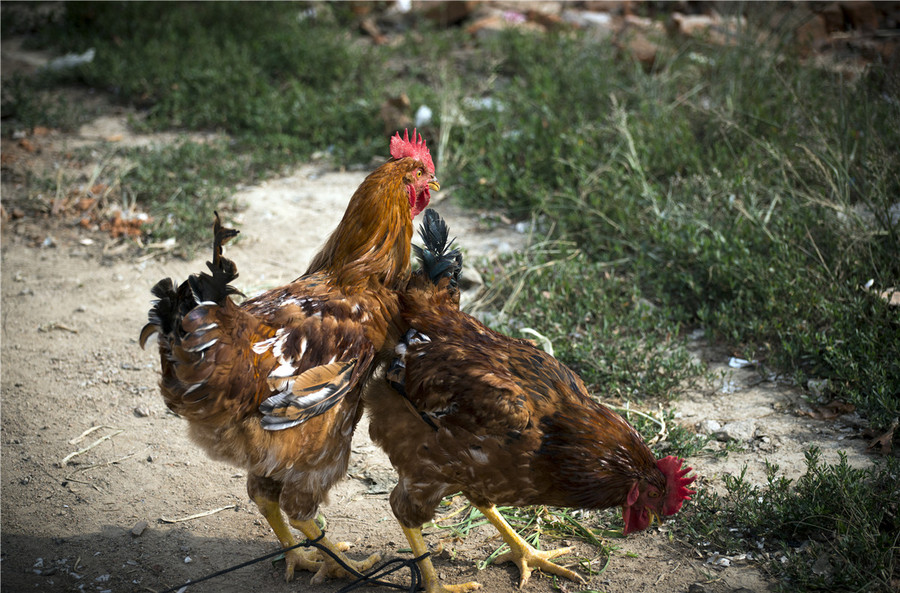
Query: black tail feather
(172, 305)
(216, 287)
(437, 259)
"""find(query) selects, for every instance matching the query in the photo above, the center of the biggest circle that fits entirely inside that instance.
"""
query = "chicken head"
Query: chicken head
(646, 500)
(420, 181)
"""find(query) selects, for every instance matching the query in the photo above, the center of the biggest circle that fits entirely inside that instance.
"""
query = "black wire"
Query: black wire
(369, 578)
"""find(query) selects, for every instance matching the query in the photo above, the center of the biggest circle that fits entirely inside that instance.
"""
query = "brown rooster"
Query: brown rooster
(464, 408)
(274, 384)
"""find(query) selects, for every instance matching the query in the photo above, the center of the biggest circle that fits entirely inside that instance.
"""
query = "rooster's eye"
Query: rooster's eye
(653, 494)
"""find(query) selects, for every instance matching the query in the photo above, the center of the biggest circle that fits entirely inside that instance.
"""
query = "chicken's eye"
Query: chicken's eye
(653, 494)
(419, 173)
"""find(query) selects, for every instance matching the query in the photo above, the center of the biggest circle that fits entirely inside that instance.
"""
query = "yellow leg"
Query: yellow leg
(523, 554)
(296, 558)
(429, 575)
(330, 568)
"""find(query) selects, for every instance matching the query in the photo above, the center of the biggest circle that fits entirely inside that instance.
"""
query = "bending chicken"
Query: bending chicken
(464, 408)
(273, 385)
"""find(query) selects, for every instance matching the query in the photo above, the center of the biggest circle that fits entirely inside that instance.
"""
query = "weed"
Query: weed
(622, 344)
(836, 528)
(752, 198)
(534, 522)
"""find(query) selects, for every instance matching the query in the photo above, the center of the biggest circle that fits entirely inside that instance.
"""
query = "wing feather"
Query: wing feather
(306, 395)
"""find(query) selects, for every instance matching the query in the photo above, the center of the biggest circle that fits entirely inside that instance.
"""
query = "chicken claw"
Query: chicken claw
(330, 567)
(429, 575)
(527, 559)
(297, 559)
(524, 555)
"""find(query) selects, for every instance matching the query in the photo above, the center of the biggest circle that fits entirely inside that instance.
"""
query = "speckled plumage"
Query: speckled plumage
(466, 409)
(499, 420)
(273, 385)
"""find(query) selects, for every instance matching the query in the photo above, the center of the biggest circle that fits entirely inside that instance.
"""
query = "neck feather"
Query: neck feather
(372, 241)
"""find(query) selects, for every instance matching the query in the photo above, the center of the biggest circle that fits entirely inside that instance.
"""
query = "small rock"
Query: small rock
(601, 20)
(139, 528)
(450, 12)
(638, 46)
(188, 560)
(696, 588)
(48, 242)
(26, 291)
(742, 430)
(142, 411)
(708, 427)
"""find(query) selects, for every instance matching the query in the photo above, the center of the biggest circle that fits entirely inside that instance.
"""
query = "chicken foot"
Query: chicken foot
(523, 554)
(330, 567)
(429, 575)
(295, 558)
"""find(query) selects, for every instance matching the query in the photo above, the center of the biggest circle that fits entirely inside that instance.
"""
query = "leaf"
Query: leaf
(884, 443)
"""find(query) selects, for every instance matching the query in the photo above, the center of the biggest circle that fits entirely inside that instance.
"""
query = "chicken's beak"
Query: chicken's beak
(654, 517)
(434, 185)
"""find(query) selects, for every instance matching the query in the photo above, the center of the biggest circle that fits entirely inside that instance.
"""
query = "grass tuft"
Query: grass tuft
(835, 529)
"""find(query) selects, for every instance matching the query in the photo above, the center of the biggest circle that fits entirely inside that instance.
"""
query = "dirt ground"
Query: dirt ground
(73, 303)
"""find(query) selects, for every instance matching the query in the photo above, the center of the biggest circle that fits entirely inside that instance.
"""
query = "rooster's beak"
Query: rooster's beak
(654, 517)
(434, 185)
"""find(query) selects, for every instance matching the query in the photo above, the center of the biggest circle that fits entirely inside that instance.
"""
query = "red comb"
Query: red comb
(676, 483)
(415, 148)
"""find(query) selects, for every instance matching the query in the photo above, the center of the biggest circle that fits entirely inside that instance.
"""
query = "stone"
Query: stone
(741, 430)
(138, 528)
(708, 427)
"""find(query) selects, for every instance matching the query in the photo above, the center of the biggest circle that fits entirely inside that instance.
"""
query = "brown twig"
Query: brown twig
(96, 465)
(88, 448)
(197, 516)
(81, 437)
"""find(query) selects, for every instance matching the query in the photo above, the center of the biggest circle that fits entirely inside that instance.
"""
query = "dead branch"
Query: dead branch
(197, 516)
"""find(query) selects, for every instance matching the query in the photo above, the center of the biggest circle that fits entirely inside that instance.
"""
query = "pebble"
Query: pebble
(741, 430)
(139, 528)
(142, 411)
(708, 427)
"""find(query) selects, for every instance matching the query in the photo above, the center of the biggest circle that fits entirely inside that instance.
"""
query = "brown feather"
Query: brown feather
(495, 418)
(218, 358)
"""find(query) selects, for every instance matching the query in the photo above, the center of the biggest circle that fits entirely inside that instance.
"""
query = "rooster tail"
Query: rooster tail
(437, 259)
(173, 305)
(216, 286)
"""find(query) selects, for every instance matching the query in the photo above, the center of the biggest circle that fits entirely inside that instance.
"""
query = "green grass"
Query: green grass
(734, 189)
(621, 344)
(835, 529)
(745, 195)
(536, 525)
